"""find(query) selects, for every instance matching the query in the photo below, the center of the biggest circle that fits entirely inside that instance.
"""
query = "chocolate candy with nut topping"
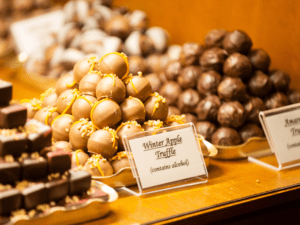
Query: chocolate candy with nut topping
(231, 114)
(280, 80)
(213, 59)
(61, 126)
(119, 162)
(98, 166)
(259, 84)
(105, 113)
(62, 145)
(12, 116)
(12, 142)
(65, 82)
(173, 69)
(208, 83)
(156, 107)
(79, 182)
(83, 67)
(188, 100)
(59, 161)
(237, 41)
(172, 110)
(46, 115)
(231, 89)
(252, 108)
(33, 167)
(208, 108)
(214, 38)
(89, 82)
(126, 128)
(190, 53)
(206, 129)
(104, 142)
(155, 81)
(171, 90)
(276, 100)
(115, 63)
(133, 109)
(79, 157)
(111, 86)
(65, 101)
(80, 132)
(10, 170)
(32, 105)
(57, 188)
(5, 92)
(260, 59)
(225, 136)
(237, 65)
(49, 98)
(138, 87)
(10, 200)
(188, 76)
(82, 106)
(250, 130)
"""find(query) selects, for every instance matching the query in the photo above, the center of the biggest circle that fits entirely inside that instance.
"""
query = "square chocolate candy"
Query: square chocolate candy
(79, 182)
(10, 200)
(13, 116)
(59, 161)
(5, 92)
(34, 169)
(57, 189)
(10, 171)
(39, 135)
(12, 143)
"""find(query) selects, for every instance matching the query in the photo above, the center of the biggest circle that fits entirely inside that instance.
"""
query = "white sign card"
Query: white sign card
(29, 34)
(282, 128)
(165, 156)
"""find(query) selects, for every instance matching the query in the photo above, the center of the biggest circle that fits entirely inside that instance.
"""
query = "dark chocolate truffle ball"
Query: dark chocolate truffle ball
(120, 161)
(208, 83)
(111, 86)
(206, 129)
(237, 65)
(157, 63)
(214, 38)
(226, 136)
(208, 108)
(62, 146)
(49, 98)
(213, 59)
(293, 96)
(137, 64)
(173, 111)
(65, 101)
(65, 82)
(231, 114)
(61, 126)
(173, 70)
(250, 130)
(280, 80)
(88, 83)
(138, 87)
(170, 90)
(260, 60)
(133, 109)
(190, 118)
(190, 53)
(46, 115)
(82, 68)
(155, 81)
(82, 106)
(80, 133)
(156, 107)
(115, 63)
(79, 157)
(118, 26)
(237, 41)
(252, 108)
(98, 166)
(105, 113)
(188, 76)
(188, 100)
(276, 100)
(259, 84)
(126, 128)
(104, 142)
(231, 89)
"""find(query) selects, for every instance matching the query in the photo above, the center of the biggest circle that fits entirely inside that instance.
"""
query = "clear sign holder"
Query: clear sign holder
(164, 159)
(280, 127)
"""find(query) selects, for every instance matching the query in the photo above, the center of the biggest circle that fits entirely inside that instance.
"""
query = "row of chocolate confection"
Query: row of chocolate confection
(223, 85)
(96, 28)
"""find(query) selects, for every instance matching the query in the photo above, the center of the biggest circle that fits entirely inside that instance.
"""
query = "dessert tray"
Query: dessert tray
(93, 206)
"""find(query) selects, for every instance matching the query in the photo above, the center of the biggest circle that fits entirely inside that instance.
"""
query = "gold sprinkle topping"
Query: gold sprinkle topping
(35, 103)
(159, 99)
(8, 132)
(31, 213)
(71, 85)
(43, 207)
(9, 158)
(35, 155)
(94, 162)
(47, 93)
(176, 118)
(86, 127)
(20, 212)
(22, 185)
(113, 76)
(129, 123)
(114, 136)
(154, 123)
(5, 187)
(119, 156)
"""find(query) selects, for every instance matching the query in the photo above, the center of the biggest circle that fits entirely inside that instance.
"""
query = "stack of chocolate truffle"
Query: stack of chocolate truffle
(91, 109)
(223, 86)
(97, 28)
(16, 10)
(31, 172)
